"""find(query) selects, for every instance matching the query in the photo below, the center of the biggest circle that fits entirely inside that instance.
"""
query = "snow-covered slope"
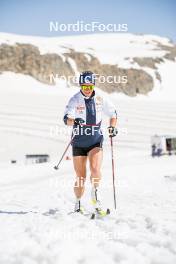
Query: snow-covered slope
(30, 109)
(35, 200)
(35, 227)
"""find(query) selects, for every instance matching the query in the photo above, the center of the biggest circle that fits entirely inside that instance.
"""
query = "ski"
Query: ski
(81, 212)
(99, 213)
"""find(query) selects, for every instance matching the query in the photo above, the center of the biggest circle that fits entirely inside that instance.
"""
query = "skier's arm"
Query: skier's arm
(113, 122)
(69, 114)
(110, 110)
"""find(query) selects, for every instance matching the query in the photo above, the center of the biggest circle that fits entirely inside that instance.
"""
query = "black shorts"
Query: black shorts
(82, 151)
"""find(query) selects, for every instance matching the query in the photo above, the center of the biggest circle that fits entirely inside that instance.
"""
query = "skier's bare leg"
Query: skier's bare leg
(79, 163)
(95, 160)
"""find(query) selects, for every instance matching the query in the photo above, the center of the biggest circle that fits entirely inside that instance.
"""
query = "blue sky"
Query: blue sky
(32, 17)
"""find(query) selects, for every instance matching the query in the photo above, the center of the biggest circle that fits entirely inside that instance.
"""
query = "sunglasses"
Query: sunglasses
(85, 87)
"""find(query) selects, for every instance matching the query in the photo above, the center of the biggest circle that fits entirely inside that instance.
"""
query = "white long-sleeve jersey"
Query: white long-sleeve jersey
(91, 111)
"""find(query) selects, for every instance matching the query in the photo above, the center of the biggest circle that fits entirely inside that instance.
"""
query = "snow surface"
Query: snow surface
(35, 199)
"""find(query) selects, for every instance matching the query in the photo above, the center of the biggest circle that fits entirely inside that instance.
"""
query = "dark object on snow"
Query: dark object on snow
(153, 150)
(163, 145)
(13, 161)
(36, 158)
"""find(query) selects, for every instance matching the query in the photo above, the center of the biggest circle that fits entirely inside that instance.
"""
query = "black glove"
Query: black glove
(78, 121)
(112, 131)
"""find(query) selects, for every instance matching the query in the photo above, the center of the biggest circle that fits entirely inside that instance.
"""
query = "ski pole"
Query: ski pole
(113, 172)
(57, 166)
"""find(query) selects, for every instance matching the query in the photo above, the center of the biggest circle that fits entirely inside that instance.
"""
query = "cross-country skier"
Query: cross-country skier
(84, 112)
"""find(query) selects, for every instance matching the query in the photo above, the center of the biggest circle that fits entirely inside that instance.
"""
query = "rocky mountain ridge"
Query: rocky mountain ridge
(26, 58)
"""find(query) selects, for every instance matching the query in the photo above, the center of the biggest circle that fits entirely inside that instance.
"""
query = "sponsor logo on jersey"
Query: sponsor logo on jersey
(80, 109)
